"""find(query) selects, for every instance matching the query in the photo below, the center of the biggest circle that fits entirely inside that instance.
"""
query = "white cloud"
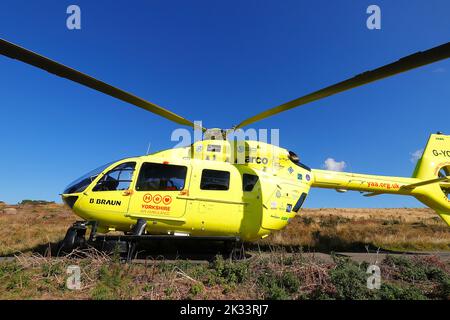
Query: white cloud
(416, 155)
(333, 165)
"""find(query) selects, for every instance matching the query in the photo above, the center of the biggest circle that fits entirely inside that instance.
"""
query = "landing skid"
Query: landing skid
(127, 245)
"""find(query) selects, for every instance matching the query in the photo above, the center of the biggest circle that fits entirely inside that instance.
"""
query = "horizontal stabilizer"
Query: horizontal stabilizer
(372, 194)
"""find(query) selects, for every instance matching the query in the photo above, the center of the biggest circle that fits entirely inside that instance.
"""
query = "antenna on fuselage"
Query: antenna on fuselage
(216, 134)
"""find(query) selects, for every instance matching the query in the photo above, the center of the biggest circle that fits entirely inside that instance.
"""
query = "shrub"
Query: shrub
(394, 292)
(290, 282)
(332, 221)
(390, 222)
(18, 280)
(319, 294)
(278, 286)
(169, 291)
(113, 282)
(196, 289)
(34, 202)
(407, 269)
(204, 274)
(307, 221)
(271, 287)
(50, 270)
(230, 272)
(444, 288)
(110, 275)
(350, 281)
(443, 283)
(13, 276)
(8, 268)
(102, 292)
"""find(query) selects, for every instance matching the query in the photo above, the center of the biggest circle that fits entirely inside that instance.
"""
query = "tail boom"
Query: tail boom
(430, 183)
(362, 182)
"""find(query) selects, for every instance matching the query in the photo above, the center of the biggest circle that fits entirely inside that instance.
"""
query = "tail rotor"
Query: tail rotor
(445, 187)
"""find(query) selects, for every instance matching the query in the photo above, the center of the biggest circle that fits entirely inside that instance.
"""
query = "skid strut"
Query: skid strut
(138, 230)
(127, 243)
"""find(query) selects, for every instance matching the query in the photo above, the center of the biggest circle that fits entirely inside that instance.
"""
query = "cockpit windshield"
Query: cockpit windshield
(82, 183)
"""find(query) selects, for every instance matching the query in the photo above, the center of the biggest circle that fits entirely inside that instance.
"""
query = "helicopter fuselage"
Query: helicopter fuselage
(210, 188)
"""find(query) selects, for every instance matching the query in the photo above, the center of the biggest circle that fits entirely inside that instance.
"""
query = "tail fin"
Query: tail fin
(435, 158)
(435, 164)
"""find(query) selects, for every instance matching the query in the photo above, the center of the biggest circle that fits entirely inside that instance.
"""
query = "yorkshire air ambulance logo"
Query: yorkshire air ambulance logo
(167, 200)
(147, 198)
(157, 198)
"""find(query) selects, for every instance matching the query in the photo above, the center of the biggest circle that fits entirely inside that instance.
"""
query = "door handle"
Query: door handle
(127, 193)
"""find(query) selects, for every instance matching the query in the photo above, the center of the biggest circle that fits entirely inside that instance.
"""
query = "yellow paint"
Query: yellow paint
(235, 212)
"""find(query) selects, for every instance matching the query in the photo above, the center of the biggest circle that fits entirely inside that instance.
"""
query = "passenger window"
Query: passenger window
(215, 180)
(118, 178)
(249, 181)
(161, 177)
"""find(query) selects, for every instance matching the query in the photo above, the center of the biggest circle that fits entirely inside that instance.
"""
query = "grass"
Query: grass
(32, 226)
(275, 277)
(271, 275)
(354, 229)
(37, 225)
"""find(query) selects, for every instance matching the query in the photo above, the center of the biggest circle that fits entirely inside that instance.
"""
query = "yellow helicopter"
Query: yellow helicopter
(221, 189)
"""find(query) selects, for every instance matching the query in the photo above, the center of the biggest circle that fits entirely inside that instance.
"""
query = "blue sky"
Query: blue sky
(219, 62)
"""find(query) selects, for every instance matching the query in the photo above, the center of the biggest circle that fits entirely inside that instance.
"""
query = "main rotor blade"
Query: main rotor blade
(16, 52)
(404, 64)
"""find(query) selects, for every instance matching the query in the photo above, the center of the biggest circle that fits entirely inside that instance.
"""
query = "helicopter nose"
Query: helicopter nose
(69, 200)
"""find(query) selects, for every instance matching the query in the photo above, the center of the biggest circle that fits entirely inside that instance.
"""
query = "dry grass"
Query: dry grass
(317, 229)
(32, 226)
(353, 229)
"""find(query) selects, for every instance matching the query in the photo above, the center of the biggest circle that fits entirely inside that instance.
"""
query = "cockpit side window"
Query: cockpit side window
(161, 177)
(119, 178)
